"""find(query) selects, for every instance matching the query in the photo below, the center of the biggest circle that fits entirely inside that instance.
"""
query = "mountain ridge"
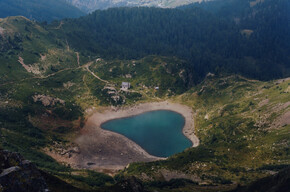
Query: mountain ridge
(39, 10)
(92, 5)
(210, 42)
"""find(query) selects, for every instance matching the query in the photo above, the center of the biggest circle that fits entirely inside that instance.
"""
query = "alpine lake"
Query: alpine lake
(157, 132)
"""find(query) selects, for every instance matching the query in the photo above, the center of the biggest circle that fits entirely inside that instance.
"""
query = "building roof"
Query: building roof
(125, 83)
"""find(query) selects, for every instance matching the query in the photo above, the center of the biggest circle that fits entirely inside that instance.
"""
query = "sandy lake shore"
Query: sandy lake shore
(108, 151)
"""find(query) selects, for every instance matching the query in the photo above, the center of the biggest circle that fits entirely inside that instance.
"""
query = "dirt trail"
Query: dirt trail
(67, 45)
(78, 58)
(60, 25)
(87, 67)
(21, 61)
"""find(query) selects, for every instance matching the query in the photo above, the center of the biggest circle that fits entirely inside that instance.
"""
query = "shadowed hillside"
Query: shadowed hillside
(40, 10)
(252, 41)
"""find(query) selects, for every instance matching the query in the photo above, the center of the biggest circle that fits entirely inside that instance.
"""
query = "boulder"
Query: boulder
(17, 174)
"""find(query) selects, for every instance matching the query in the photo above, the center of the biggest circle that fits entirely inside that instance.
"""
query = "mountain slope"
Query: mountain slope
(256, 47)
(52, 76)
(44, 95)
(40, 10)
(279, 182)
(92, 5)
(27, 47)
(243, 126)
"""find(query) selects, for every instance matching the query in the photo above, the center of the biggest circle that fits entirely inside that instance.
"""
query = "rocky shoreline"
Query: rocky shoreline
(108, 151)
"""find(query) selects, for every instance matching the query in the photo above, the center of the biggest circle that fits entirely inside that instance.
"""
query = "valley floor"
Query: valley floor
(108, 151)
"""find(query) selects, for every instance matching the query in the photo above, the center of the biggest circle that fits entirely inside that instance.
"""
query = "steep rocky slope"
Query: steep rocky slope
(17, 174)
(92, 5)
(279, 182)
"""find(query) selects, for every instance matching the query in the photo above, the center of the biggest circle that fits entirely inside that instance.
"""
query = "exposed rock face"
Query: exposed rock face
(91, 5)
(47, 100)
(130, 184)
(17, 174)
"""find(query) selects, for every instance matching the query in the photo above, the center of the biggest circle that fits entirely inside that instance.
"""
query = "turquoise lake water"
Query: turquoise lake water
(158, 132)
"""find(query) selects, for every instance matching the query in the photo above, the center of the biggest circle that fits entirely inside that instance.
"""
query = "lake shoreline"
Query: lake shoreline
(130, 111)
(158, 132)
(108, 151)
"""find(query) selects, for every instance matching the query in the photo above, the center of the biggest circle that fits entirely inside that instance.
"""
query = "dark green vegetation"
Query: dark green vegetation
(279, 182)
(40, 10)
(236, 37)
(50, 74)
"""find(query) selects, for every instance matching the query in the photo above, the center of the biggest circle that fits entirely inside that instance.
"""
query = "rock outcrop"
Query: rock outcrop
(17, 174)
(131, 184)
(279, 182)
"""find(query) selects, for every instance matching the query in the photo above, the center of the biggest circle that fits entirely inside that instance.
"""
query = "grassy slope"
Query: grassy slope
(38, 47)
(28, 126)
(240, 139)
(234, 116)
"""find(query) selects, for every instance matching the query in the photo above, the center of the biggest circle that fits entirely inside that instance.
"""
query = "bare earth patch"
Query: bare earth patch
(47, 100)
(68, 85)
(254, 3)
(283, 120)
(2, 31)
(247, 32)
(29, 68)
(108, 151)
(78, 58)
(42, 57)
(264, 102)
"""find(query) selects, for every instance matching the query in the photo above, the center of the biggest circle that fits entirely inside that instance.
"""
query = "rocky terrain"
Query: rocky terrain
(20, 175)
(275, 183)
(92, 5)
(17, 174)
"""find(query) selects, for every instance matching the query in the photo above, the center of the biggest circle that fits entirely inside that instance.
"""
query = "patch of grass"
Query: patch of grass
(233, 145)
